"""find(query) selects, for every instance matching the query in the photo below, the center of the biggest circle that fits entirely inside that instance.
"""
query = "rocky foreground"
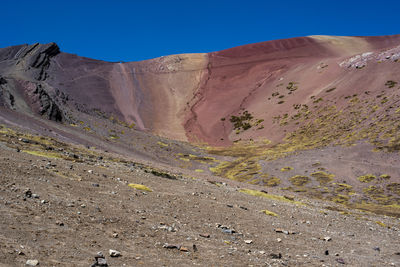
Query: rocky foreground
(278, 153)
(91, 208)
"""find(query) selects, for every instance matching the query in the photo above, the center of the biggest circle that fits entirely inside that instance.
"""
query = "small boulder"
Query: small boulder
(327, 238)
(340, 260)
(184, 249)
(205, 235)
(100, 260)
(32, 262)
(114, 253)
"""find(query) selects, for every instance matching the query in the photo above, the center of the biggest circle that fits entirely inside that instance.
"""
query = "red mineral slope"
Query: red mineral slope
(217, 98)
(251, 76)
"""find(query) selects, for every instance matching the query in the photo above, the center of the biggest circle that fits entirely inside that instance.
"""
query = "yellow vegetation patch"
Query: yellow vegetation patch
(299, 180)
(391, 210)
(270, 181)
(218, 170)
(286, 169)
(394, 187)
(242, 169)
(323, 177)
(140, 187)
(200, 159)
(385, 176)
(381, 223)
(366, 178)
(270, 213)
(373, 190)
(269, 196)
(199, 170)
(45, 154)
(162, 144)
(342, 199)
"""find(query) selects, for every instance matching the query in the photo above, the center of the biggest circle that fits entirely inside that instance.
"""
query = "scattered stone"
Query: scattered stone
(115, 235)
(243, 208)
(279, 230)
(248, 241)
(114, 253)
(275, 256)
(100, 260)
(194, 248)
(35, 196)
(169, 246)
(95, 185)
(90, 171)
(205, 235)
(377, 249)
(184, 249)
(32, 262)
(28, 193)
(327, 238)
(230, 205)
(279, 240)
(326, 252)
(228, 231)
(340, 260)
(59, 223)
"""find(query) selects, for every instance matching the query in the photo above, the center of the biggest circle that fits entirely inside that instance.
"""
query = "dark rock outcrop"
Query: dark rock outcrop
(24, 70)
(6, 97)
(45, 104)
(37, 56)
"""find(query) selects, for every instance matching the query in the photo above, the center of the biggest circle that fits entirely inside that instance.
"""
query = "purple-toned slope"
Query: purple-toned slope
(194, 96)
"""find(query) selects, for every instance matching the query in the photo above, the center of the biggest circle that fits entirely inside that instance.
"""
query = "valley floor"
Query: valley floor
(62, 212)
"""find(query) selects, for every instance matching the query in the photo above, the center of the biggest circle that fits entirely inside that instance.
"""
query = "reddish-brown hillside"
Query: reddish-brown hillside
(195, 96)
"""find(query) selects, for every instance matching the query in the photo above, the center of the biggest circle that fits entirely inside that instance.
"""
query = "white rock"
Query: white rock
(114, 253)
(32, 262)
(248, 241)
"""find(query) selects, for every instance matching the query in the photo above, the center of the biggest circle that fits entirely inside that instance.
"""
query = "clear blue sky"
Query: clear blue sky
(123, 30)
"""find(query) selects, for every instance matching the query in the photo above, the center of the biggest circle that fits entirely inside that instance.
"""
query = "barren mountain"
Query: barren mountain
(284, 152)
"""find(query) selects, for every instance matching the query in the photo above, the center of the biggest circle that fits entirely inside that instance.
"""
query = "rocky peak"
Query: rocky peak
(37, 56)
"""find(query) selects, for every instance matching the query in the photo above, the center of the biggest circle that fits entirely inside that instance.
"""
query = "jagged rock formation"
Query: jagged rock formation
(23, 85)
